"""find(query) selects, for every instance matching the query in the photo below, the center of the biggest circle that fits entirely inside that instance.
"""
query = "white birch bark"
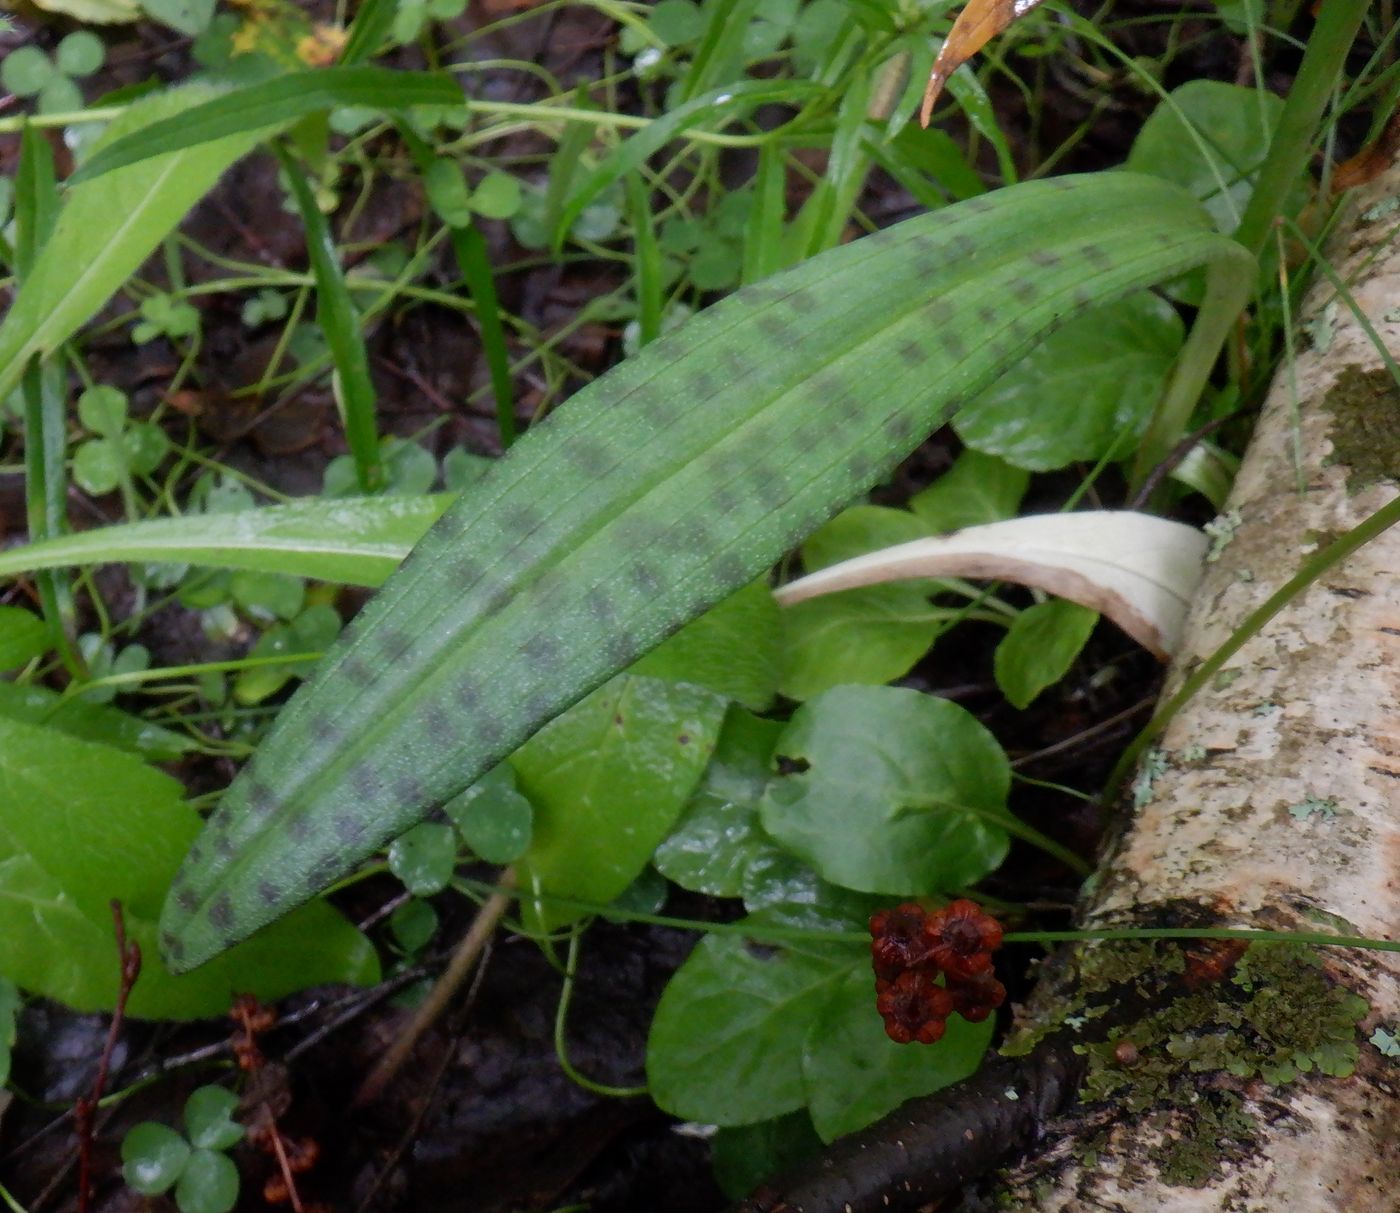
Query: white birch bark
(1279, 803)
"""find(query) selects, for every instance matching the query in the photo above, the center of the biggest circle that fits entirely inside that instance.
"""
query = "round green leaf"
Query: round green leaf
(448, 193)
(98, 465)
(146, 445)
(899, 795)
(410, 468)
(23, 636)
(734, 648)
(607, 780)
(497, 196)
(677, 22)
(102, 409)
(153, 1157)
(716, 266)
(1087, 391)
(268, 595)
(1040, 647)
(59, 96)
(1233, 126)
(977, 489)
(413, 924)
(80, 54)
(493, 818)
(871, 635)
(424, 858)
(718, 834)
(209, 1118)
(209, 1184)
(727, 1039)
(25, 71)
(853, 1073)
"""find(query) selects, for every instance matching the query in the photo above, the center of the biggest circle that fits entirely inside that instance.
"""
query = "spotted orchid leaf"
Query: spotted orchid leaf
(673, 480)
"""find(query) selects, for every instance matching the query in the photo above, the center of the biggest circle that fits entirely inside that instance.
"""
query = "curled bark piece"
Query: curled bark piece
(1138, 570)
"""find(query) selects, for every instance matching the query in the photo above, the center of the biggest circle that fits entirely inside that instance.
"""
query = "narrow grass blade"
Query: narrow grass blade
(723, 103)
(673, 480)
(648, 261)
(273, 105)
(105, 231)
(469, 247)
(36, 199)
(721, 44)
(42, 389)
(763, 233)
(355, 541)
(373, 20)
(336, 314)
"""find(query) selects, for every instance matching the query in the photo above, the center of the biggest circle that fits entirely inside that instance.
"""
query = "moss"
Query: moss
(1220, 1128)
(1365, 430)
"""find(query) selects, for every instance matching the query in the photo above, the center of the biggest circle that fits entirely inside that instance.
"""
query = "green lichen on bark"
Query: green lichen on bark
(1364, 406)
(1202, 1029)
(1275, 1016)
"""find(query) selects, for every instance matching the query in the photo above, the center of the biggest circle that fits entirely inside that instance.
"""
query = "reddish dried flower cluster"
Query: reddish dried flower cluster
(910, 948)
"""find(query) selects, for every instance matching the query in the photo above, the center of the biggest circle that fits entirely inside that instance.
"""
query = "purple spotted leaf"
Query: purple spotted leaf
(662, 488)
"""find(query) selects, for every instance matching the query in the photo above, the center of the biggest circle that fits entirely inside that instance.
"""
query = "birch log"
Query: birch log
(1273, 799)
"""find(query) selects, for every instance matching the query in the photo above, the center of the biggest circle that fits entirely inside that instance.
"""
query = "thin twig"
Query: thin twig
(456, 973)
(1173, 460)
(129, 954)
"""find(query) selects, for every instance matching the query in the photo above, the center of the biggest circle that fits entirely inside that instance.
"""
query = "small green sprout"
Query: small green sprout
(165, 316)
(156, 1158)
(29, 72)
(121, 449)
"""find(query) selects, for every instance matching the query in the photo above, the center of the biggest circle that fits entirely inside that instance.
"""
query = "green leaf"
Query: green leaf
(339, 320)
(104, 232)
(492, 817)
(718, 834)
(1088, 391)
(208, 1183)
(413, 925)
(103, 409)
(977, 489)
(1210, 138)
(188, 17)
(733, 648)
(853, 1073)
(209, 1118)
(899, 792)
(871, 636)
(608, 780)
(745, 1155)
(424, 858)
(358, 541)
(23, 636)
(677, 22)
(1039, 648)
(80, 53)
(728, 1037)
(729, 102)
(90, 722)
(259, 110)
(153, 1157)
(448, 193)
(10, 1006)
(498, 196)
(98, 465)
(81, 824)
(675, 480)
(860, 529)
(25, 71)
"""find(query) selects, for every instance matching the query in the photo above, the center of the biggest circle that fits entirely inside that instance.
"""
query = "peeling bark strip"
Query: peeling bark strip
(1273, 801)
(1273, 798)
